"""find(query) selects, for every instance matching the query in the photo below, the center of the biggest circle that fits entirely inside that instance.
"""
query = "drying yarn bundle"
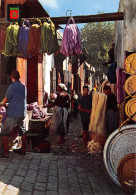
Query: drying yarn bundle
(97, 121)
(71, 43)
(97, 118)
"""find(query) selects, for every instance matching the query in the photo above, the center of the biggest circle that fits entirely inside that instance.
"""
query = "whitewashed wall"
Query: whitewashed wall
(48, 64)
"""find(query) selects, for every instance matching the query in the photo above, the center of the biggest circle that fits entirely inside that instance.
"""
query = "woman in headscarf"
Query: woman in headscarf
(59, 118)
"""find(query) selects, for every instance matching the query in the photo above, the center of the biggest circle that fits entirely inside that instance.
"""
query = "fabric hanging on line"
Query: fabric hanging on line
(34, 39)
(11, 43)
(23, 38)
(49, 42)
(71, 44)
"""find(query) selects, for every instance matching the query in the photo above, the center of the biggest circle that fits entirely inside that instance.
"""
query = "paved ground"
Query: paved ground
(66, 170)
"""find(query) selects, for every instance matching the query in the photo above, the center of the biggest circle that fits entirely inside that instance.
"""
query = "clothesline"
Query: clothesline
(78, 19)
(4, 23)
(29, 40)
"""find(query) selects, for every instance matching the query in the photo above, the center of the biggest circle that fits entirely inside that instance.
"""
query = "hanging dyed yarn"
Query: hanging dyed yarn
(34, 40)
(3, 33)
(71, 44)
(49, 42)
(121, 77)
(97, 118)
(23, 38)
(11, 43)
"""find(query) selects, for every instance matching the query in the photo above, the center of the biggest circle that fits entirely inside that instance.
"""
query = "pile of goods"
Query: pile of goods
(94, 147)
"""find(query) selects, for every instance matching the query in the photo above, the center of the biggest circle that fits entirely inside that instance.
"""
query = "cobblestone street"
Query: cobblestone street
(67, 97)
(66, 170)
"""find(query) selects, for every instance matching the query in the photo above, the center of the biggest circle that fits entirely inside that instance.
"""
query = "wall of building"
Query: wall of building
(125, 31)
(6, 66)
(48, 64)
(119, 43)
(130, 25)
(125, 39)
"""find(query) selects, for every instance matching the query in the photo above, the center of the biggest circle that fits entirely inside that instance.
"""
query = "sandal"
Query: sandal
(5, 156)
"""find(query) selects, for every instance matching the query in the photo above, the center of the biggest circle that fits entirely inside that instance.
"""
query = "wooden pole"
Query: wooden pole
(90, 18)
(78, 19)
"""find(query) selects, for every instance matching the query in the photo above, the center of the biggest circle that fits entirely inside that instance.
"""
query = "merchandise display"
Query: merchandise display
(130, 64)
(130, 86)
(118, 145)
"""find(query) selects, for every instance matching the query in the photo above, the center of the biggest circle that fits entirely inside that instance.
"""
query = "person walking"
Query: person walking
(75, 99)
(60, 114)
(16, 112)
(111, 110)
(85, 106)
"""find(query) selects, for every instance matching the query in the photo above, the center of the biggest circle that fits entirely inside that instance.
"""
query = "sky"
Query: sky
(58, 8)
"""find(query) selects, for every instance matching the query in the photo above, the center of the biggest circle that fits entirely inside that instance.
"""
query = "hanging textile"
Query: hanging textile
(112, 73)
(71, 44)
(2, 39)
(11, 43)
(34, 39)
(23, 38)
(97, 118)
(97, 124)
(121, 77)
(49, 42)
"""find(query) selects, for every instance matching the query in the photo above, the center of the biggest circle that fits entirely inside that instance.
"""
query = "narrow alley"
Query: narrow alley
(60, 59)
(67, 169)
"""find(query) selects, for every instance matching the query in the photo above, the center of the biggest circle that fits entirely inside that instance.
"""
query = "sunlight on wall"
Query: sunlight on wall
(8, 189)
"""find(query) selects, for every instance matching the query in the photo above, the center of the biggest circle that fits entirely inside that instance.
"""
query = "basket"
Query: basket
(130, 64)
(130, 109)
(130, 86)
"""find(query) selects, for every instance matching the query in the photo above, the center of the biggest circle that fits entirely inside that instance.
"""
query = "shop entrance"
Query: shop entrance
(32, 79)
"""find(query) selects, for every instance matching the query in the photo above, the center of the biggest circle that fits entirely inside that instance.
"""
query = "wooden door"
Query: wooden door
(32, 79)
